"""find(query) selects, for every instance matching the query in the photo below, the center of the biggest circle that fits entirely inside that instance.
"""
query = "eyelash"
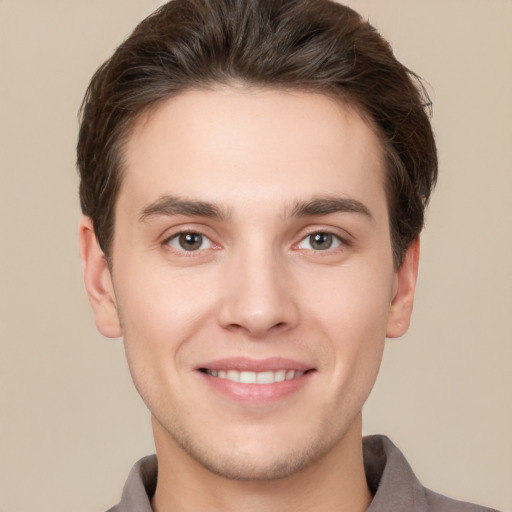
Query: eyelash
(177, 238)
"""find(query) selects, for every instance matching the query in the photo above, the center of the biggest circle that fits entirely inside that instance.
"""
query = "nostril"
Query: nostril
(256, 314)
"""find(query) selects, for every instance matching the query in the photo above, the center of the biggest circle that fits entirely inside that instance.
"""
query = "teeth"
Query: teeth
(280, 376)
(265, 378)
(233, 375)
(246, 377)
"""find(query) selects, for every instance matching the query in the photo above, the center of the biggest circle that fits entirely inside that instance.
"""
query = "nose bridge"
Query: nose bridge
(259, 294)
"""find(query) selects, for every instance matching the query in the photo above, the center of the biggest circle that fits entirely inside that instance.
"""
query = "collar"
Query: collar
(390, 479)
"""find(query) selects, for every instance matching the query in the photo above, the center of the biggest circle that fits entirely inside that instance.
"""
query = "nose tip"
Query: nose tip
(255, 324)
(259, 300)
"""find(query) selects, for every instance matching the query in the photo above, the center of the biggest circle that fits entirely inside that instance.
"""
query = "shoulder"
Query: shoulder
(395, 487)
(139, 487)
(439, 503)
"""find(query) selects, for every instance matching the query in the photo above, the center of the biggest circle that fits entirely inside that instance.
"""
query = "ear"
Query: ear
(98, 281)
(405, 284)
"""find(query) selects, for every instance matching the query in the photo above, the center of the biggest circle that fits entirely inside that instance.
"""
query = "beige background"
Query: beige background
(71, 424)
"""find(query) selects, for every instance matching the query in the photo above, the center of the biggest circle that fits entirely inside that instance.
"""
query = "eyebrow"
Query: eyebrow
(173, 205)
(327, 205)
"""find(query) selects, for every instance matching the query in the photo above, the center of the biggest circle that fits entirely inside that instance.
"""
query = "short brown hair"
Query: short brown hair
(316, 45)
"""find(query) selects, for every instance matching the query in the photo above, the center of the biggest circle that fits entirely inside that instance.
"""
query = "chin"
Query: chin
(244, 468)
(257, 462)
(245, 471)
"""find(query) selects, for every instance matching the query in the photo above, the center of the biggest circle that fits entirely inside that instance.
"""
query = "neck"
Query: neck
(334, 483)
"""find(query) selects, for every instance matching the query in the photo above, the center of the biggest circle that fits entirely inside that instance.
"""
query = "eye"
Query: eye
(321, 241)
(189, 242)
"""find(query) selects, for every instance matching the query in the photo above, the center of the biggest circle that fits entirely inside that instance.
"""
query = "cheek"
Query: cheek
(353, 312)
(158, 316)
(353, 300)
(160, 310)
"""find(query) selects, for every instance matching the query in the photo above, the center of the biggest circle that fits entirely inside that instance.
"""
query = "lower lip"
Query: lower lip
(256, 393)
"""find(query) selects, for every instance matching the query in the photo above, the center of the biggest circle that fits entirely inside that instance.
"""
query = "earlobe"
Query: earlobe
(98, 281)
(405, 286)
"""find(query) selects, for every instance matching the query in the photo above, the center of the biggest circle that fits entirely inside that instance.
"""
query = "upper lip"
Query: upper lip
(255, 365)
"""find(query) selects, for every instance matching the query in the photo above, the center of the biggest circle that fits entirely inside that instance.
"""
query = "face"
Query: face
(253, 278)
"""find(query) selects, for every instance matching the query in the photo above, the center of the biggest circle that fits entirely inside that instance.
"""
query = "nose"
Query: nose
(258, 295)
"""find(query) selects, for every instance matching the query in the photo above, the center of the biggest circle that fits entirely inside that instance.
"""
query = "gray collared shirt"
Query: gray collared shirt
(391, 480)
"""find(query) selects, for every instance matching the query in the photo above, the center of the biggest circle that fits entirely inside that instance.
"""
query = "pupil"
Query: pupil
(191, 241)
(321, 241)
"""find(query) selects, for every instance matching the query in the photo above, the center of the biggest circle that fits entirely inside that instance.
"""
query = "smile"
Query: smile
(248, 377)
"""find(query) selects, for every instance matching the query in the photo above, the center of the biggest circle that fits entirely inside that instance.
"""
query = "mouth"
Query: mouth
(256, 381)
(250, 377)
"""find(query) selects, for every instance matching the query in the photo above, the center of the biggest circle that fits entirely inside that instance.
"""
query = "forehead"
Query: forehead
(237, 145)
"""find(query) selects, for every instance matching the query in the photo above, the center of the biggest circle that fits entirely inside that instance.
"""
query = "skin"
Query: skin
(264, 171)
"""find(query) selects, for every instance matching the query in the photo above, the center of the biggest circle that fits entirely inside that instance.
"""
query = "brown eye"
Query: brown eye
(190, 242)
(321, 241)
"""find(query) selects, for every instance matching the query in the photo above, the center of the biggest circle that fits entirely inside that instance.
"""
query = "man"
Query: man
(254, 176)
